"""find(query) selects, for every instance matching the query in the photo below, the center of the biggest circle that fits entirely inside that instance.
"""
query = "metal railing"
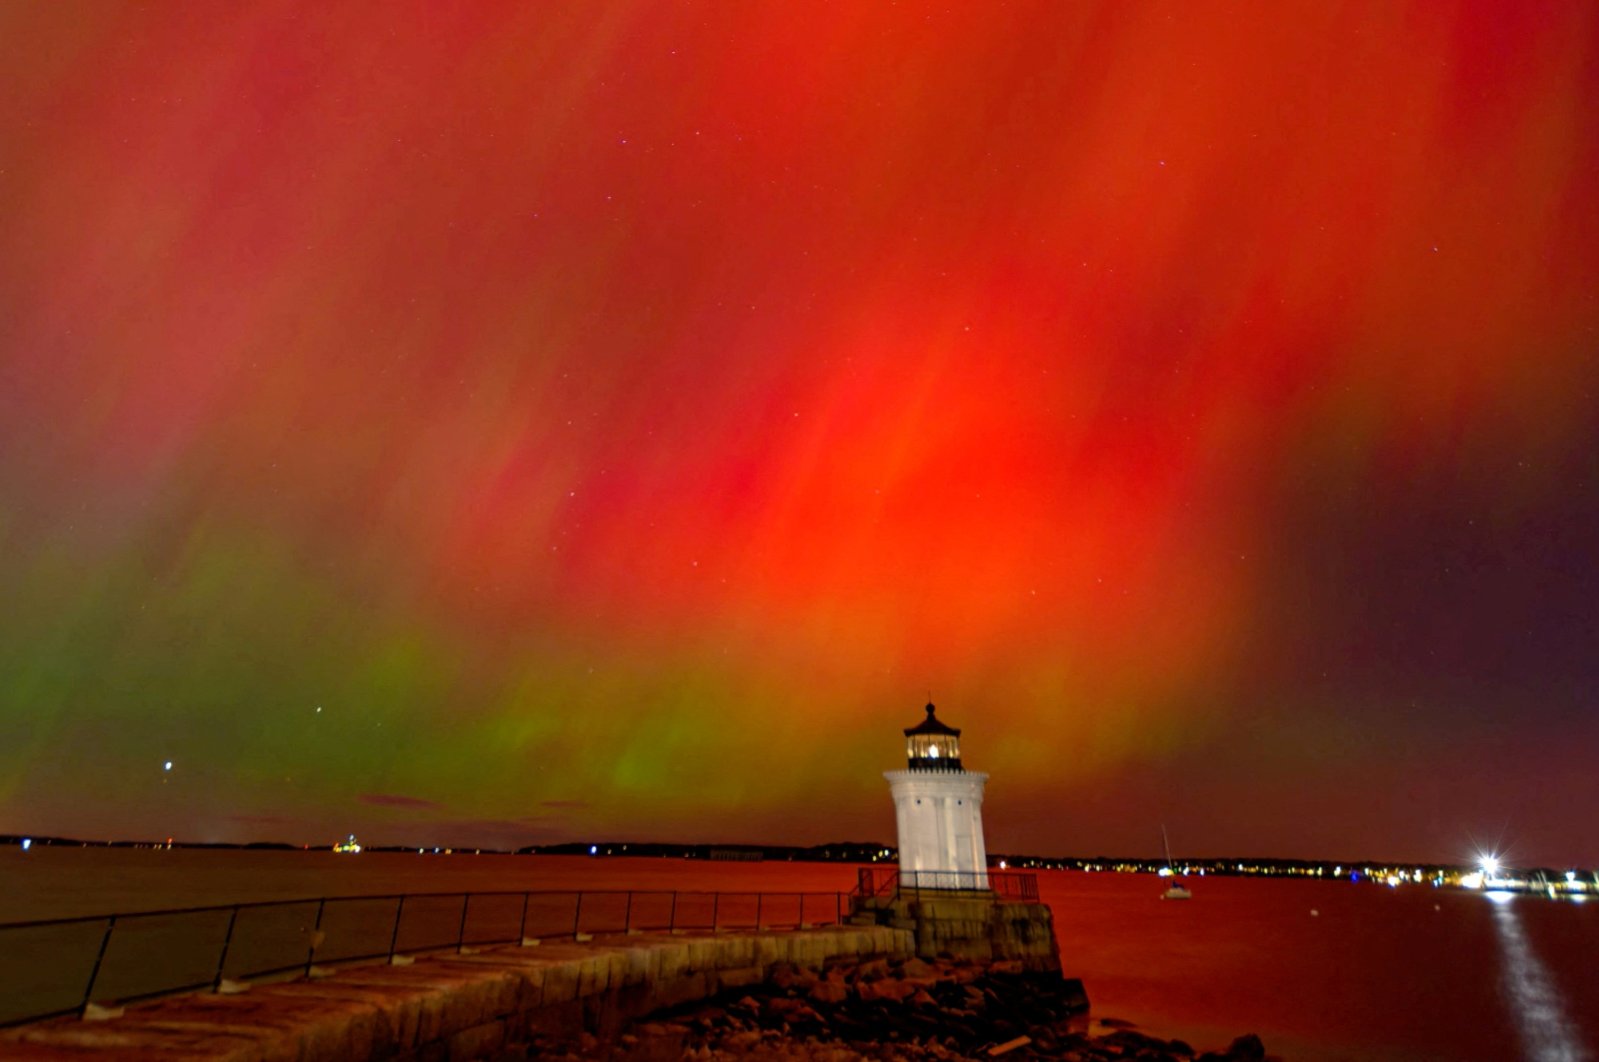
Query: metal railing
(891, 881)
(59, 966)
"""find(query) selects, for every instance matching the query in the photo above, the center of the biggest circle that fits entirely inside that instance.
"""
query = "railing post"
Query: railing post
(316, 932)
(759, 898)
(394, 936)
(227, 942)
(460, 934)
(671, 919)
(627, 915)
(94, 974)
(577, 914)
(521, 934)
(716, 907)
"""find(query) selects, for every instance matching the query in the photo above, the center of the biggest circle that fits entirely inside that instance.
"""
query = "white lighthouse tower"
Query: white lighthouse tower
(938, 807)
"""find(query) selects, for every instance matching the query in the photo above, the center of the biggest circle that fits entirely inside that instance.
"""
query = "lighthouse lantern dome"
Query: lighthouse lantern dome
(932, 746)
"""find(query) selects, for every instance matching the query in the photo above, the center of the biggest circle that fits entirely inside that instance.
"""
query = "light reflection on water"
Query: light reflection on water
(1547, 1034)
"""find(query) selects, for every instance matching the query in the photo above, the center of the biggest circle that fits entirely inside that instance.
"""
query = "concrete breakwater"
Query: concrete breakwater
(452, 1007)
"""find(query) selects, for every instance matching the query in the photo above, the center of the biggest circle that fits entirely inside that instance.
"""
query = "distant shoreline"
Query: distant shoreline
(1551, 881)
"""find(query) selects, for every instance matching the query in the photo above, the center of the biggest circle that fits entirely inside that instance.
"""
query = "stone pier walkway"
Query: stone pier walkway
(446, 1008)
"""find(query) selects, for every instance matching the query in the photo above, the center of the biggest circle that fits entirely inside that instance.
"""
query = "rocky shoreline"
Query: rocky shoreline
(901, 1010)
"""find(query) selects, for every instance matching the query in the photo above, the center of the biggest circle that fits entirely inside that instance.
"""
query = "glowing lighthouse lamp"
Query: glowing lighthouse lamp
(938, 808)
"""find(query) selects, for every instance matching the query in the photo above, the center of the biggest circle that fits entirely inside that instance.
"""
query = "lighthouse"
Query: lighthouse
(938, 808)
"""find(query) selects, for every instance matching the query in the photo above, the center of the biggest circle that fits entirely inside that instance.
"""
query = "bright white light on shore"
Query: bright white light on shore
(594, 849)
(1002, 864)
(167, 766)
(1571, 875)
(27, 843)
(1490, 865)
(1473, 880)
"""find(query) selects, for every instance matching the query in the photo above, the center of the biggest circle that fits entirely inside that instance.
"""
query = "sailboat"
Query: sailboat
(1174, 891)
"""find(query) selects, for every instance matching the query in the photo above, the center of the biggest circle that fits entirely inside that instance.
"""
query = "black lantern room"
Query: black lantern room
(932, 746)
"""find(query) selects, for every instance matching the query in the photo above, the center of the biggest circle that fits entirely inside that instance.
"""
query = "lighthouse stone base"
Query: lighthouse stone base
(971, 925)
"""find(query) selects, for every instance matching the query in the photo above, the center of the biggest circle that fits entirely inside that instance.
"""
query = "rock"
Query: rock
(1247, 1048)
(871, 971)
(828, 991)
(1072, 995)
(888, 989)
(916, 968)
(792, 1010)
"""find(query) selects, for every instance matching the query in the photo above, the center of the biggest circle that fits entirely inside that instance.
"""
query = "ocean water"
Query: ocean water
(1321, 970)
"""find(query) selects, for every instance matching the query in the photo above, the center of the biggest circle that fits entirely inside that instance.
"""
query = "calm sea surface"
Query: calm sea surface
(1321, 970)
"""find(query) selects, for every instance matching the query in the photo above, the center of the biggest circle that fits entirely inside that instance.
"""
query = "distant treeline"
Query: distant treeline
(836, 852)
(832, 852)
(73, 842)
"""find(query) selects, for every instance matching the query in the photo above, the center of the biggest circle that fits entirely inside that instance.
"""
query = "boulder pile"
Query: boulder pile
(892, 1010)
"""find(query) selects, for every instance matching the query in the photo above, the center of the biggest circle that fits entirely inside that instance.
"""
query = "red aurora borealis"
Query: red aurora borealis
(503, 423)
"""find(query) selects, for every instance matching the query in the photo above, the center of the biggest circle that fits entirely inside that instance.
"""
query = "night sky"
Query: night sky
(500, 424)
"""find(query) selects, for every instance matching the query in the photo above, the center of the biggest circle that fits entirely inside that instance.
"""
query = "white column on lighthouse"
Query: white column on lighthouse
(938, 809)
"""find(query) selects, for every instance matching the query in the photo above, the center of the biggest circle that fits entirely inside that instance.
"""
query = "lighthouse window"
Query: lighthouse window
(958, 803)
(918, 801)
